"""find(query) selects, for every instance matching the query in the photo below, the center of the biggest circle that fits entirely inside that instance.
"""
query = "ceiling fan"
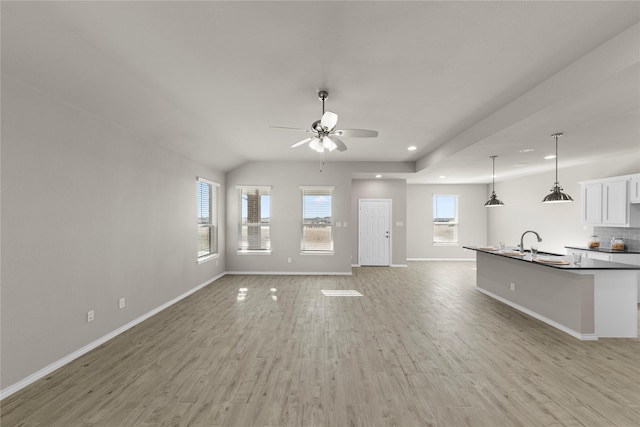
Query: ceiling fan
(325, 133)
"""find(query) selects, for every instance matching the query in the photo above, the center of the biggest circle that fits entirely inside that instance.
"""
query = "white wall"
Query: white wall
(285, 180)
(472, 216)
(90, 214)
(394, 189)
(558, 224)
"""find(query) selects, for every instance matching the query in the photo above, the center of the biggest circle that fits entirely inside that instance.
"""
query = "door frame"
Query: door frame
(390, 202)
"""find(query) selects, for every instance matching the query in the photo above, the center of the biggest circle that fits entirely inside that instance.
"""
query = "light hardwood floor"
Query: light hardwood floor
(421, 348)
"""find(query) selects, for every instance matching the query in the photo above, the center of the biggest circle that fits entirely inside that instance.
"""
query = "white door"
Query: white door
(374, 230)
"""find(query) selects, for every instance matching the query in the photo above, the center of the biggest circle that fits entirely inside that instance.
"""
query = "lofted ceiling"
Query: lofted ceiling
(459, 80)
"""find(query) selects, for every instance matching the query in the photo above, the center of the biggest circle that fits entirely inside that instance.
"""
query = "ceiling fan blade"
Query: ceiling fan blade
(298, 129)
(356, 133)
(329, 120)
(339, 144)
(304, 141)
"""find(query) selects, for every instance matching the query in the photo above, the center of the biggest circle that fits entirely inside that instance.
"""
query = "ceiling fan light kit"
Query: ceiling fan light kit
(556, 195)
(325, 133)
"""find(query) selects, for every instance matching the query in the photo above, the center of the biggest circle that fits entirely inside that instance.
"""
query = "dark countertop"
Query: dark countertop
(603, 250)
(586, 264)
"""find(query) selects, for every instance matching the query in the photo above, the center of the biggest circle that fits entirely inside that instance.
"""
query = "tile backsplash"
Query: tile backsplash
(631, 236)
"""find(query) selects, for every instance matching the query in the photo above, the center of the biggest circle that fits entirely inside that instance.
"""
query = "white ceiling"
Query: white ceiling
(459, 80)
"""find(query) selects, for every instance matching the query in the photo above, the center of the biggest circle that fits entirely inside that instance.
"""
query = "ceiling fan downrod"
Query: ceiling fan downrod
(317, 126)
(323, 94)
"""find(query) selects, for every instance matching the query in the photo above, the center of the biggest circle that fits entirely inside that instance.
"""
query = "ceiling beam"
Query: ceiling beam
(602, 63)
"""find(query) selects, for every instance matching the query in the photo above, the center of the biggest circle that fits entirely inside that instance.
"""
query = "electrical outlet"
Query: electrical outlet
(513, 286)
(90, 316)
(121, 303)
(289, 260)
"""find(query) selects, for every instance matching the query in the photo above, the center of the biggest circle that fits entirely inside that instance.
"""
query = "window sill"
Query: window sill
(208, 258)
(254, 252)
(330, 253)
(445, 244)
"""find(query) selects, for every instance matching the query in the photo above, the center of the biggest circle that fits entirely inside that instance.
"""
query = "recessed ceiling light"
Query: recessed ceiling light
(412, 148)
(550, 156)
(442, 176)
(527, 150)
(378, 176)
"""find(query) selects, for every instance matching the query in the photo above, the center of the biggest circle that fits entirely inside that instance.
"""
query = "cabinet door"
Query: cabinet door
(615, 203)
(629, 259)
(592, 203)
(633, 259)
(599, 255)
(634, 190)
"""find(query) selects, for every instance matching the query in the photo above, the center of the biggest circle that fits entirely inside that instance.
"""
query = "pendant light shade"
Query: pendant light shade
(556, 195)
(493, 200)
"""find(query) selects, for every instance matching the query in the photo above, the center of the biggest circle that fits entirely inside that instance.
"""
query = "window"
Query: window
(254, 234)
(445, 218)
(317, 234)
(207, 219)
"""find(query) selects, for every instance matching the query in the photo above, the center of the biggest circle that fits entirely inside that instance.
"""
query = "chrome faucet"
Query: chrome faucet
(522, 239)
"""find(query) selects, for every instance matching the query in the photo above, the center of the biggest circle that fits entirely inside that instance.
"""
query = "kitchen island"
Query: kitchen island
(595, 299)
(626, 256)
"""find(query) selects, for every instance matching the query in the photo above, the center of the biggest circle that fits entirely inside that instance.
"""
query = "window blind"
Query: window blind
(445, 218)
(317, 219)
(254, 232)
(207, 207)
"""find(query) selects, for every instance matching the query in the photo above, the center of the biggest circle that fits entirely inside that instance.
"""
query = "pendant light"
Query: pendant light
(556, 195)
(493, 201)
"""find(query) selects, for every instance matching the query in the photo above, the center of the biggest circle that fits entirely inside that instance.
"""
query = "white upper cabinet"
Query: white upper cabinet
(615, 203)
(592, 203)
(634, 188)
(607, 202)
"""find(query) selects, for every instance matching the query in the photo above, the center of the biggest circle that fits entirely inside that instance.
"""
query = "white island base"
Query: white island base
(585, 303)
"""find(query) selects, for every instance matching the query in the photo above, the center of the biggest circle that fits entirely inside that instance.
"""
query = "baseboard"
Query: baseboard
(398, 265)
(6, 392)
(575, 334)
(289, 273)
(441, 259)
(355, 265)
